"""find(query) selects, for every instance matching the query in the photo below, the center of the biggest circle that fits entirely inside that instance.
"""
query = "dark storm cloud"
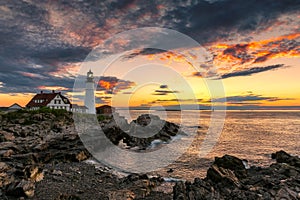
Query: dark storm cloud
(52, 34)
(164, 92)
(254, 70)
(247, 98)
(209, 21)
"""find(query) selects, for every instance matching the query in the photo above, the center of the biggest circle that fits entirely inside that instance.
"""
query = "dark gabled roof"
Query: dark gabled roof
(46, 97)
(65, 99)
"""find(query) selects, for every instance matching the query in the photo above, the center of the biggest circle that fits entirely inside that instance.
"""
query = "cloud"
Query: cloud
(174, 100)
(57, 34)
(219, 19)
(257, 51)
(249, 72)
(163, 86)
(164, 92)
(113, 85)
(102, 99)
(209, 73)
(32, 75)
(57, 88)
(127, 92)
(144, 51)
(197, 74)
(244, 99)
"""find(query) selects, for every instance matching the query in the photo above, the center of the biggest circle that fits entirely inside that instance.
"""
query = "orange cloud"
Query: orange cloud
(107, 84)
(32, 75)
(113, 85)
(59, 88)
(257, 51)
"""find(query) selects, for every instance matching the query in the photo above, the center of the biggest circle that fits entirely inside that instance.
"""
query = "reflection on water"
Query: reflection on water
(252, 135)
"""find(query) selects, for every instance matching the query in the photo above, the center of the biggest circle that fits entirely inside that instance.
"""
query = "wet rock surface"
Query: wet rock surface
(141, 132)
(40, 158)
(227, 178)
(28, 142)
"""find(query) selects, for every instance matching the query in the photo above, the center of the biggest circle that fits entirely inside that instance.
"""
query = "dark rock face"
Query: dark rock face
(82, 181)
(227, 178)
(283, 157)
(142, 131)
(28, 141)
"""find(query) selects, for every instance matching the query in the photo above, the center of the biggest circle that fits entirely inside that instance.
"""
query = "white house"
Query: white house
(53, 100)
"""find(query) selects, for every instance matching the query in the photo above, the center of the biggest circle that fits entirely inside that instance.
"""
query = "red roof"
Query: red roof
(45, 99)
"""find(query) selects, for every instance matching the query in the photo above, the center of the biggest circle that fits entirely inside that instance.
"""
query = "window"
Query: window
(57, 101)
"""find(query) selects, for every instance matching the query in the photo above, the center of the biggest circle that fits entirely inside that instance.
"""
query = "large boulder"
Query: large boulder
(231, 164)
(283, 157)
(140, 132)
(227, 178)
(147, 128)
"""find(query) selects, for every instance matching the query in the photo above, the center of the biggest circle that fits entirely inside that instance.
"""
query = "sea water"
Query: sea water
(250, 135)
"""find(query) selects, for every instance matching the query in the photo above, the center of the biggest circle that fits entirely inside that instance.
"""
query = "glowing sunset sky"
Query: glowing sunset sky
(254, 48)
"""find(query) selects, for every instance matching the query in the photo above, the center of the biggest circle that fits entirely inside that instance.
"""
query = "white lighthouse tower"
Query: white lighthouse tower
(89, 100)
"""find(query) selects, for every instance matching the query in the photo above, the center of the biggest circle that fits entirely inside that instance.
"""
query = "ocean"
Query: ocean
(250, 135)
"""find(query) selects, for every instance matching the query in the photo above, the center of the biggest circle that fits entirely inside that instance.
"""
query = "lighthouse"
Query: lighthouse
(89, 100)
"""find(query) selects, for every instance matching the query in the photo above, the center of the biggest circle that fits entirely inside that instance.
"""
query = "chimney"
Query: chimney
(41, 91)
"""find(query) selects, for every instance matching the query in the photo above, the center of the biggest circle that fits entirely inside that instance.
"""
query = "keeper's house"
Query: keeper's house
(54, 100)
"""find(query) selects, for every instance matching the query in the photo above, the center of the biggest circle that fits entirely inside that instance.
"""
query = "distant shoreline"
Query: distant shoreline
(254, 110)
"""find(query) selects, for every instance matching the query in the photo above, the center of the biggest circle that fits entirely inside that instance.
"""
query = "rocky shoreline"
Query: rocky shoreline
(42, 157)
(228, 178)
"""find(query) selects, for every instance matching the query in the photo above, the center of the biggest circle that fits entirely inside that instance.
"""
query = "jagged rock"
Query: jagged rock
(286, 193)
(283, 157)
(140, 185)
(179, 191)
(21, 189)
(121, 194)
(140, 132)
(82, 156)
(113, 132)
(27, 143)
(5, 178)
(228, 179)
(233, 164)
(6, 136)
(33, 173)
(219, 174)
(6, 153)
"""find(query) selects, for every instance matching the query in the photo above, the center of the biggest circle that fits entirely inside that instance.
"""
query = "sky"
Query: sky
(252, 47)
